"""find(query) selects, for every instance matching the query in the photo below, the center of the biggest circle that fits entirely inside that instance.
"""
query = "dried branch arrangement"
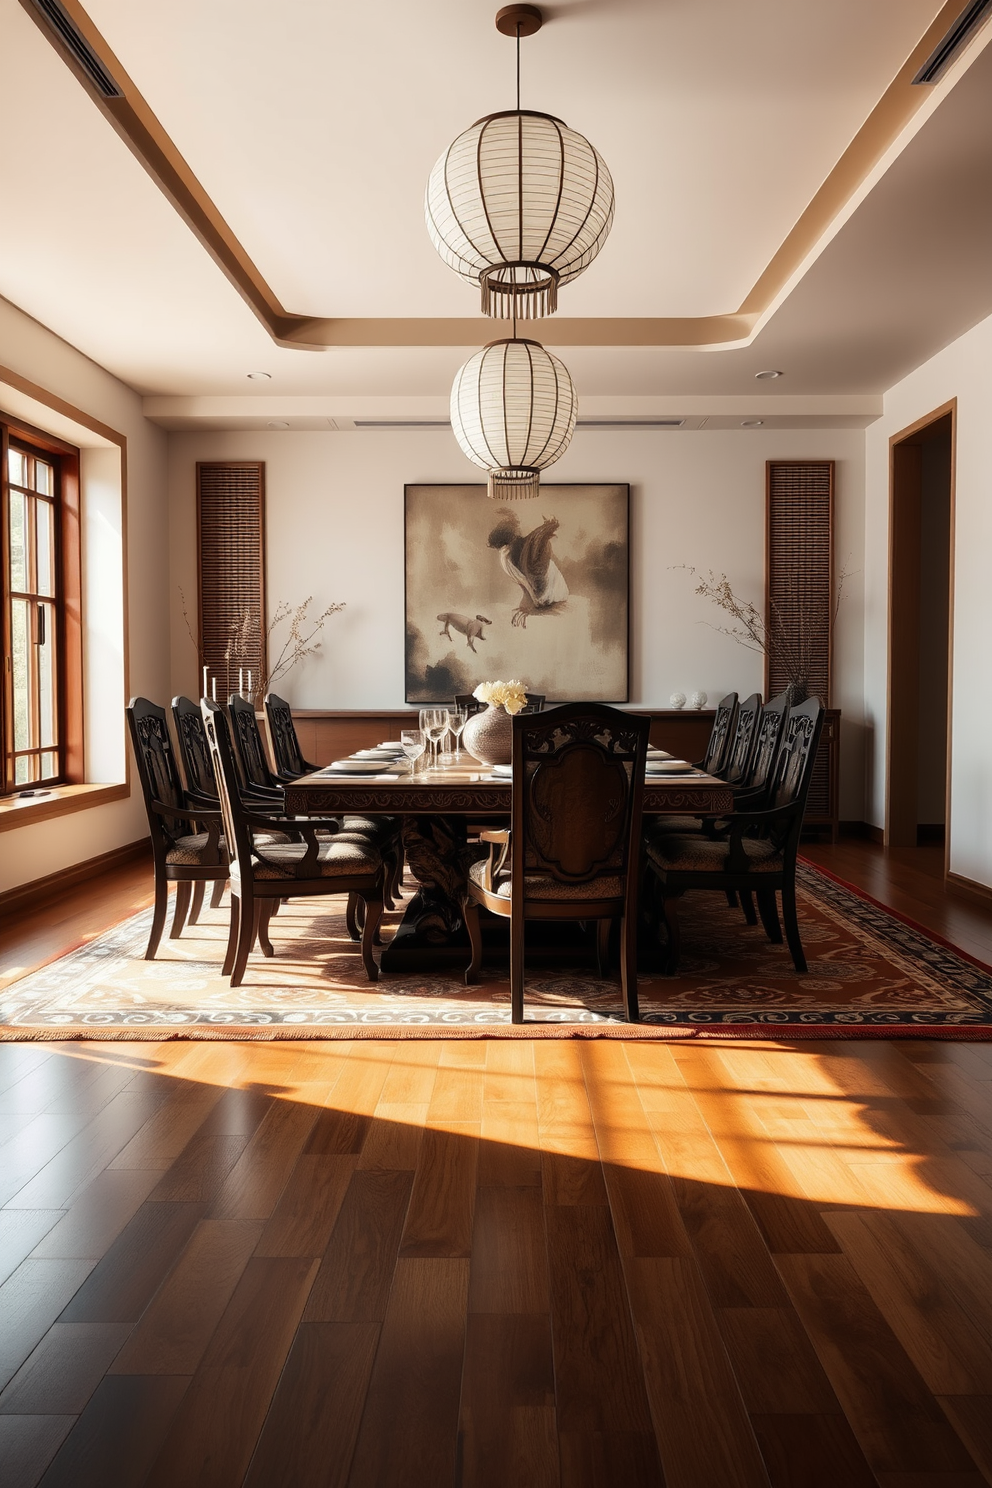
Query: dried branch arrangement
(244, 642)
(791, 642)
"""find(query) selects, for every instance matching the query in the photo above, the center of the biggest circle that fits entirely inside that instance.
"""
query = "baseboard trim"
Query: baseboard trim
(862, 829)
(41, 891)
(957, 883)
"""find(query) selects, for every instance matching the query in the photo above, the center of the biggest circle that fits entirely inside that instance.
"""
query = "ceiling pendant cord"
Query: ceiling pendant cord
(518, 67)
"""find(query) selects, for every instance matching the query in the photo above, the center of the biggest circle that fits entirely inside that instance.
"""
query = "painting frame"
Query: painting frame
(585, 657)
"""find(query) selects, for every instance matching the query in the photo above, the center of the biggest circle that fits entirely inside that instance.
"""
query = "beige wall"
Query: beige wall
(335, 530)
(34, 353)
(962, 370)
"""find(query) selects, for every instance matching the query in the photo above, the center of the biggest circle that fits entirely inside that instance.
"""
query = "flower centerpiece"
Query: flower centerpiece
(489, 735)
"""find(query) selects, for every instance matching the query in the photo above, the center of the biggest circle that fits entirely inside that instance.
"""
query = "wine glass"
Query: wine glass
(437, 727)
(457, 718)
(426, 714)
(414, 743)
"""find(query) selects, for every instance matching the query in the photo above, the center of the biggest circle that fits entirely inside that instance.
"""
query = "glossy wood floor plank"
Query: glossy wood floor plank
(549, 1264)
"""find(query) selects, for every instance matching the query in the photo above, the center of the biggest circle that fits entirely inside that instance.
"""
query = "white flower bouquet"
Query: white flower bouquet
(511, 696)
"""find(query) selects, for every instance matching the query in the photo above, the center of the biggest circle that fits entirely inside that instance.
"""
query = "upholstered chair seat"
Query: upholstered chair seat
(697, 854)
(334, 859)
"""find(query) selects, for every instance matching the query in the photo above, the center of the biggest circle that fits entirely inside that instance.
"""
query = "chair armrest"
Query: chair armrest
(744, 821)
(200, 814)
(212, 820)
(306, 828)
(266, 821)
(197, 798)
(499, 850)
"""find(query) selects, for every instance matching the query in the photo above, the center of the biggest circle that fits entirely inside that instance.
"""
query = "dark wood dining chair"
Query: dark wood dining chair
(253, 766)
(469, 702)
(720, 735)
(287, 755)
(758, 854)
(290, 764)
(737, 761)
(534, 703)
(188, 848)
(264, 874)
(572, 849)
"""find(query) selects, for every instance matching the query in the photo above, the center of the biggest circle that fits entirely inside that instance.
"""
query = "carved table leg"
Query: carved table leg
(432, 931)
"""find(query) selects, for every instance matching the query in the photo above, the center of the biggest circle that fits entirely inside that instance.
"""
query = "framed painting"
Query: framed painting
(534, 590)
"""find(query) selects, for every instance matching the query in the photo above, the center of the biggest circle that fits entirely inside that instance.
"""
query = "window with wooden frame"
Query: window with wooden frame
(41, 699)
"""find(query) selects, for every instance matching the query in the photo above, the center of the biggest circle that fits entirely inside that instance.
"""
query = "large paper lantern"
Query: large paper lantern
(513, 410)
(519, 204)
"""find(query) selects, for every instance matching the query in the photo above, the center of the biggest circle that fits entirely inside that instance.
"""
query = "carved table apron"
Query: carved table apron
(436, 809)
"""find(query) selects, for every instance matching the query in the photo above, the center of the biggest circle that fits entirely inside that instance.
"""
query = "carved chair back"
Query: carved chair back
(534, 703)
(469, 702)
(194, 752)
(794, 772)
(248, 747)
(720, 734)
(770, 728)
(282, 732)
(578, 785)
(158, 770)
(738, 758)
(226, 774)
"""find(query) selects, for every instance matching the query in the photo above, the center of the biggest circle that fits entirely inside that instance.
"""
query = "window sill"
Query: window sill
(62, 800)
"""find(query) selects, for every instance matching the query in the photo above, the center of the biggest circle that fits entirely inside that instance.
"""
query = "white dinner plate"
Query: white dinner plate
(357, 767)
(506, 771)
(657, 754)
(382, 753)
(669, 767)
(391, 744)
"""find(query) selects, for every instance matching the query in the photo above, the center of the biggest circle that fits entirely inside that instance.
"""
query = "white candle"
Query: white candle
(204, 692)
(241, 681)
(249, 681)
(213, 685)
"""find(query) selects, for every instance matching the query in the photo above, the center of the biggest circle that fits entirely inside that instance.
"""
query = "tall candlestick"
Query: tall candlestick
(213, 684)
(204, 692)
(249, 681)
(241, 681)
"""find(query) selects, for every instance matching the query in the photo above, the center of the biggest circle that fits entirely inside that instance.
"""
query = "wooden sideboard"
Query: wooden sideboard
(327, 735)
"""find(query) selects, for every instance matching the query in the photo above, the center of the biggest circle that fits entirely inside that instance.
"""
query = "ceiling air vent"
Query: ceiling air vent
(633, 423)
(948, 47)
(78, 47)
(402, 423)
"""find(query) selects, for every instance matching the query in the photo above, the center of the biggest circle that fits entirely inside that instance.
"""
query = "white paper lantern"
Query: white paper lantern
(513, 410)
(519, 204)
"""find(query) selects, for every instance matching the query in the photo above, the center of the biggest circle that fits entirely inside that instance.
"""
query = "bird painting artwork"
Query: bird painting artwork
(528, 559)
(536, 590)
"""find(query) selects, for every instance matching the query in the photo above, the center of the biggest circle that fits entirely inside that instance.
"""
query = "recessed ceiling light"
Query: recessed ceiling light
(769, 373)
(277, 424)
(751, 423)
(267, 376)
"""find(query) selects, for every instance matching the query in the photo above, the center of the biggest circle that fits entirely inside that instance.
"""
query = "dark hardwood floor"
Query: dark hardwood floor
(410, 1264)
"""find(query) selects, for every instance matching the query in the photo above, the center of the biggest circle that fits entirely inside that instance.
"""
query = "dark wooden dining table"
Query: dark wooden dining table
(435, 807)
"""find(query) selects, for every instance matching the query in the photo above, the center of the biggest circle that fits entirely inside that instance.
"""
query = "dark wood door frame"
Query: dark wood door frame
(902, 711)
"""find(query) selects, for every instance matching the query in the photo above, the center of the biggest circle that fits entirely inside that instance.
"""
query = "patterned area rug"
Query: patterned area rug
(870, 975)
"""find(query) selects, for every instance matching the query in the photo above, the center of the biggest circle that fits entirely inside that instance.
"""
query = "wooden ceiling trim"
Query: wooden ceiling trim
(143, 133)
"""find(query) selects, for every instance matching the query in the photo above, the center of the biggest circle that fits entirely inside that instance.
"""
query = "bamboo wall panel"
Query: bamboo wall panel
(230, 503)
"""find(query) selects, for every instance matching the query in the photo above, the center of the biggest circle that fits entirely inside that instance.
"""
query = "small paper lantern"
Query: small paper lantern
(519, 204)
(513, 410)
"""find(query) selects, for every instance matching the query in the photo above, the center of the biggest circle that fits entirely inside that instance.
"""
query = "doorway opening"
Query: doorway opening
(920, 600)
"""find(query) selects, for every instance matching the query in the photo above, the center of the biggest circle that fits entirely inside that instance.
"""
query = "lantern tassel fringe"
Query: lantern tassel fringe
(514, 485)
